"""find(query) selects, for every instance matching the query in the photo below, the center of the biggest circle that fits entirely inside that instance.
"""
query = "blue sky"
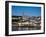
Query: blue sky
(28, 11)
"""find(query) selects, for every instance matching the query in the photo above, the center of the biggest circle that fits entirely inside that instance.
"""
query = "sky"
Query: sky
(28, 11)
